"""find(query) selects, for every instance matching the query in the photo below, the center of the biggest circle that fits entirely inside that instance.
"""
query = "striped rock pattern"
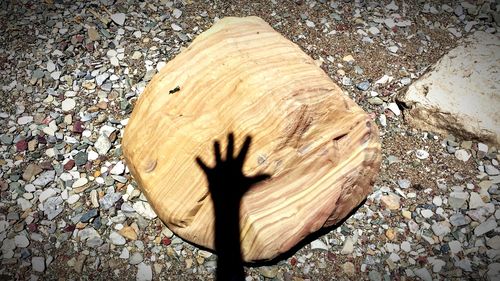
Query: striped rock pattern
(321, 149)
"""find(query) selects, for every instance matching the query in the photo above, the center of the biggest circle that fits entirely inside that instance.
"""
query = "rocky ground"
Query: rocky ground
(70, 75)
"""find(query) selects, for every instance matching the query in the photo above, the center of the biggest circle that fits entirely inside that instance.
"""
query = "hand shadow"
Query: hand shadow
(227, 185)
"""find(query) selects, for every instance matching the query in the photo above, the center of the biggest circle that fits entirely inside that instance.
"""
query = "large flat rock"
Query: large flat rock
(321, 150)
(460, 94)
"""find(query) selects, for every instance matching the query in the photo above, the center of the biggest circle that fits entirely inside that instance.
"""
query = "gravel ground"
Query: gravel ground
(71, 72)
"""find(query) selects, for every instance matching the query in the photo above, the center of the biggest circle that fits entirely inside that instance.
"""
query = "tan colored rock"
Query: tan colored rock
(390, 201)
(460, 94)
(321, 149)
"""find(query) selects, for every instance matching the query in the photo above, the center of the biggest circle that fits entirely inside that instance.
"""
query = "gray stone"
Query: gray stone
(21, 241)
(458, 199)
(116, 238)
(363, 86)
(53, 207)
(459, 220)
(423, 274)
(45, 178)
(135, 258)
(491, 170)
(475, 201)
(38, 264)
(485, 227)
(462, 155)
(6, 139)
(459, 94)
(118, 18)
(374, 276)
(441, 228)
(108, 200)
(144, 272)
(494, 242)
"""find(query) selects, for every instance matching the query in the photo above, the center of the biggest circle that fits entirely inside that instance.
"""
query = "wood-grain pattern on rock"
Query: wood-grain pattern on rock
(241, 76)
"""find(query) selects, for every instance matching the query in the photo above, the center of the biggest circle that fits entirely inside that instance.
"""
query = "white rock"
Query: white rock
(393, 49)
(92, 155)
(56, 75)
(144, 272)
(318, 244)
(68, 104)
(51, 66)
(72, 199)
(176, 13)
(102, 145)
(118, 169)
(310, 23)
(405, 246)
(175, 27)
(24, 120)
(47, 193)
(437, 201)
(125, 253)
(374, 30)
(38, 264)
(25, 204)
(144, 209)
(421, 154)
(392, 6)
(426, 213)
(384, 79)
(460, 95)
(80, 182)
(394, 108)
(462, 155)
(118, 18)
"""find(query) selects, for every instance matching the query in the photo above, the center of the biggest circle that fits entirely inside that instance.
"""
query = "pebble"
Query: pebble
(102, 145)
(491, 170)
(118, 18)
(38, 264)
(80, 182)
(459, 220)
(135, 258)
(348, 268)
(268, 271)
(394, 108)
(462, 155)
(455, 246)
(24, 120)
(144, 209)
(391, 201)
(363, 86)
(421, 154)
(405, 246)
(374, 276)
(68, 104)
(21, 241)
(423, 274)
(475, 201)
(118, 169)
(144, 272)
(348, 247)
(318, 244)
(485, 227)
(45, 178)
(458, 199)
(116, 238)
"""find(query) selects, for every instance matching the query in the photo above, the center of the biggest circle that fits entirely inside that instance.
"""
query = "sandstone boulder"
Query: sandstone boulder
(321, 149)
